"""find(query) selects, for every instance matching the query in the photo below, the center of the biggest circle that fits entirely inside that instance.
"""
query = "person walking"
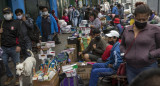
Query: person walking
(140, 44)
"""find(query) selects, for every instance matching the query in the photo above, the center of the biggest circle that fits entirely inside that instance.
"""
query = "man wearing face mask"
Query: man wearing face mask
(10, 31)
(26, 24)
(106, 54)
(112, 64)
(47, 25)
(95, 49)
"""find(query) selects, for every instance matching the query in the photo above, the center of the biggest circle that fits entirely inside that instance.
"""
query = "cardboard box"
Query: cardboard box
(75, 51)
(84, 70)
(53, 82)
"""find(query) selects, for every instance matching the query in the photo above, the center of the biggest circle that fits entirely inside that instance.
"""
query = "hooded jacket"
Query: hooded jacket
(54, 27)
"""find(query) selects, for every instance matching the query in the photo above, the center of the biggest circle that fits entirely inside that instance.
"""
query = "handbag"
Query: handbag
(122, 68)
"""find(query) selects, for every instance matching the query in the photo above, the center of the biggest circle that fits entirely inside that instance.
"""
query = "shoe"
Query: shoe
(8, 81)
(17, 81)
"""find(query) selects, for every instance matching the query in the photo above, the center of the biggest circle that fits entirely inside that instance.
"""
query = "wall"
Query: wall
(3, 3)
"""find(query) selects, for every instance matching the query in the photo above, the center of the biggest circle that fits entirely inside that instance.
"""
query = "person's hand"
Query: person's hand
(18, 49)
(24, 18)
(1, 30)
(79, 53)
(110, 65)
(91, 26)
(94, 46)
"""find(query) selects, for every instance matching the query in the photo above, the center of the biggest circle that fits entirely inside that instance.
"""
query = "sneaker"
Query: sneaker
(17, 81)
(8, 81)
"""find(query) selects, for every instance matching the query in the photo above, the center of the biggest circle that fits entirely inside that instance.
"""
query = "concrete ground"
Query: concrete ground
(58, 49)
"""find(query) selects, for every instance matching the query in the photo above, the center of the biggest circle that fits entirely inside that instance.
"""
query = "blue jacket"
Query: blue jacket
(115, 57)
(54, 27)
(115, 10)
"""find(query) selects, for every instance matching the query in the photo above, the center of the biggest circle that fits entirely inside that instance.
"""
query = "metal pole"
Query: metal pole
(158, 8)
(132, 6)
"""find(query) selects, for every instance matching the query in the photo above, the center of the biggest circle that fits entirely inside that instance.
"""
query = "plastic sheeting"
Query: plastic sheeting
(53, 6)
(17, 4)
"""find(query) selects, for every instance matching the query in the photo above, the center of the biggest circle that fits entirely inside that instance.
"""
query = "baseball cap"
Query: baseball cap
(7, 10)
(112, 34)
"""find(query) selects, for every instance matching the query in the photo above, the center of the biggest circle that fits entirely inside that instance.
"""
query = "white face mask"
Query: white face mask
(45, 13)
(8, 16)
(19, 17)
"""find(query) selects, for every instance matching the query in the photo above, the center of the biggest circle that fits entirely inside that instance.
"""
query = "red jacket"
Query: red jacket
(65, 18)
(107, 52)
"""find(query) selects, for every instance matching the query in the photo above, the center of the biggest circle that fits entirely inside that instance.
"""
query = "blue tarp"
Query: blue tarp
(53, 6)
(17, 4)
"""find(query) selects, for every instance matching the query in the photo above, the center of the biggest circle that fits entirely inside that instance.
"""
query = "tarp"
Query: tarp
(53, 6)
(17, 4)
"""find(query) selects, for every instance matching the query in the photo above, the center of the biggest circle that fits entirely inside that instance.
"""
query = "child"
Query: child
(65, 17)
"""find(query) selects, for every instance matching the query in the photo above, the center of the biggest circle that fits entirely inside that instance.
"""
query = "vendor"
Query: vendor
(96, 47)
(95, 22)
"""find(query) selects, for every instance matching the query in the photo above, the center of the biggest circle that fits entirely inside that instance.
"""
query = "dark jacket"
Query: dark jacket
(11, 31)
(25, 26)
(101, 45)
(147, 42)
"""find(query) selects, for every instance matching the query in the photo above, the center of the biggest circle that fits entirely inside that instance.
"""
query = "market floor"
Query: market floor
(58, 49)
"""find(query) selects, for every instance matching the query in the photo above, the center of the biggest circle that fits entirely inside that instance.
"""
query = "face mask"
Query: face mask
(111, 42)
(19, 17)
(45, 13)
(97, 38)
(8, 16)
(140, 25)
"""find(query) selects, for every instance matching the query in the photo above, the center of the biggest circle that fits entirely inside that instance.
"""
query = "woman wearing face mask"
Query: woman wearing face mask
(140, 44)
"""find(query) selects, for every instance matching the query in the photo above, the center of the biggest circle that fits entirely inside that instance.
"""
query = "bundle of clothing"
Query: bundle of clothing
(64, 27)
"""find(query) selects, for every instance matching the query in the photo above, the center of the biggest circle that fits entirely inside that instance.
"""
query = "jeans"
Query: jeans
(75, 22)
(100, 60)
(47, 38)
(133, 72)
(10, 52)
(24, 46)
(99, 70)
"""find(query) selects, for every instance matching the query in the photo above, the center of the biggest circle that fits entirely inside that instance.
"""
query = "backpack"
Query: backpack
(34, 34)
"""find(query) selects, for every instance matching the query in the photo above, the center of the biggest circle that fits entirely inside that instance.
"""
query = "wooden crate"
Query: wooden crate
(53, 82)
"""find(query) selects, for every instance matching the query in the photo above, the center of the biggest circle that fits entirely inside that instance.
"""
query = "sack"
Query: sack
(62, 76)
(56, 39)
(34, 34)
(122, 69)
(71, 81)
